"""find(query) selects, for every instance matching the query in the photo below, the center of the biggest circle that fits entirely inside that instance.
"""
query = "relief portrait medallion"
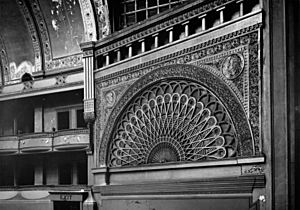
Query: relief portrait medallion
(233, 66)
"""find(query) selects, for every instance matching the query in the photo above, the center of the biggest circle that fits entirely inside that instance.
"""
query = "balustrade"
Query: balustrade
(73, 139)
(166, 29)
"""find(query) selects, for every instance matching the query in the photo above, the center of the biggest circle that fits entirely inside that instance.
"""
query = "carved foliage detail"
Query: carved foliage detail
(173, 121)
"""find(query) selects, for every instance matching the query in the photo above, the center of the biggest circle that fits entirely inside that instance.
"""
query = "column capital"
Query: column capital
(89, 110)
(88, 48)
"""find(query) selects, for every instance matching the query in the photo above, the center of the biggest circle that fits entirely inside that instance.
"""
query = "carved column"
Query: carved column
(88, 68)
(89, 98)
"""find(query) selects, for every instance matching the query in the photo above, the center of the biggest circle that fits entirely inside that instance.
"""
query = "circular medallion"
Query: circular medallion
(110, 98)
(233, 66)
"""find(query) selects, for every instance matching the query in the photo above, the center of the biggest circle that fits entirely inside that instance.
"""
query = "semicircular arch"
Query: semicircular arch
(229, 133)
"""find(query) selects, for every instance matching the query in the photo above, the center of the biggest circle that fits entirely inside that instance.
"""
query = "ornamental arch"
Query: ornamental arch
(177, 113)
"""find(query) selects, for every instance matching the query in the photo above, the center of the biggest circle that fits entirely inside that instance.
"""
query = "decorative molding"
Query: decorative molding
(20, 93)
(185, 73)
(34, 35)
(255, 169)
(90, 33)
(4, 61)
(240, 184)
(42, 26)
(88, 53)
(197, 52)
(102, 14)
(69, 62)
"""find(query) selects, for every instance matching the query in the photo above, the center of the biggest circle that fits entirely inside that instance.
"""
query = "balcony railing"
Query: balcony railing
(65, 140)
(197, 17)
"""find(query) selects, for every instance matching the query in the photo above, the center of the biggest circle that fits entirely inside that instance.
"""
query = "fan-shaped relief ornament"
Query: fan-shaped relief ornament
(173, 121)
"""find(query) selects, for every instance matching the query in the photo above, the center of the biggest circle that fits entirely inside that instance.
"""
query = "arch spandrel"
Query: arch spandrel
(241, 145)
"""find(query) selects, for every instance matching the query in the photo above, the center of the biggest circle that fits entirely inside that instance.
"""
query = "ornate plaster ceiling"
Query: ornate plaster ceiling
(37, 36)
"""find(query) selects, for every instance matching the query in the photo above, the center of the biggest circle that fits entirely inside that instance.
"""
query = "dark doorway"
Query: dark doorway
(66, 205)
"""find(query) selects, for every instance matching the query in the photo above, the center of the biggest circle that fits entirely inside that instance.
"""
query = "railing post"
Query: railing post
(186, 28)
(129, 50)
(170, 30)
(106, 59)
(155, 40)
(221, 14)
(241, 2)
(203, 22)
(118, 54)
(143, 49)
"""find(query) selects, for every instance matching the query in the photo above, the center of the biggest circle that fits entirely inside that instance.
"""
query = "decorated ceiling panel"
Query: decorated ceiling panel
(16, 44)
(65, 26)
(38, 36)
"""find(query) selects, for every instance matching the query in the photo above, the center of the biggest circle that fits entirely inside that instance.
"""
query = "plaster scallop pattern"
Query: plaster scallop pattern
(174, 121)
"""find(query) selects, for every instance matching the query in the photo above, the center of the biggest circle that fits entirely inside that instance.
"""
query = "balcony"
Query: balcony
(142, 42)
(65, 140)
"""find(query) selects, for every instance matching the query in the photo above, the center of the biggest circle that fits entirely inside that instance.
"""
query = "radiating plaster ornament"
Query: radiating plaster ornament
(175, 121)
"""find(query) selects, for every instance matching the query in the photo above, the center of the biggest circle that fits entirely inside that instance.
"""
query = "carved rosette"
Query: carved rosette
(147, 126)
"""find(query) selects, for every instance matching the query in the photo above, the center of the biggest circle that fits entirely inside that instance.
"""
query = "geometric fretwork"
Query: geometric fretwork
(171, 121)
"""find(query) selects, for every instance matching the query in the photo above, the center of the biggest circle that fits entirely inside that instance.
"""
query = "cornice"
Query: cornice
(226, 185)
